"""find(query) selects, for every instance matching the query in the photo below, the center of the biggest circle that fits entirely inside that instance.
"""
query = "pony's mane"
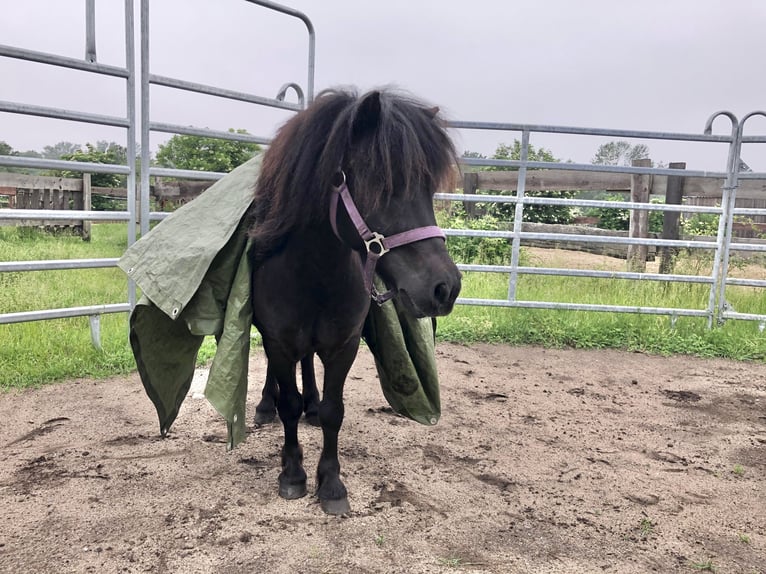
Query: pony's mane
(407, 151)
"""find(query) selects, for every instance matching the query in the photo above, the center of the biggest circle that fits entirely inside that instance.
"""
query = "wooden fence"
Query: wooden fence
(21, 191)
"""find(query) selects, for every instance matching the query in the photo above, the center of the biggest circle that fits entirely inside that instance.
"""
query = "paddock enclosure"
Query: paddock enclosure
(543, 461)
(139, 123)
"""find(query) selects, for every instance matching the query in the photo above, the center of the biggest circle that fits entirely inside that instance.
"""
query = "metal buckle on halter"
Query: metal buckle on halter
(377, 240)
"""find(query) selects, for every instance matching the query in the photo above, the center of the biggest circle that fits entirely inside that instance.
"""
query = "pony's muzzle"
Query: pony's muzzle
(444, 295)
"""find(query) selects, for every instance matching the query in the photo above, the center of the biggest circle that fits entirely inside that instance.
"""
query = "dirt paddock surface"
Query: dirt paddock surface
(544, 461)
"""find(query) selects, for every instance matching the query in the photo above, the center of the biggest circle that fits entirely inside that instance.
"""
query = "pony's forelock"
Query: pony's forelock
(407, 152)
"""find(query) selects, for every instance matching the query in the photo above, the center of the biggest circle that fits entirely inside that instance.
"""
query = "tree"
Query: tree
(532, 213)
(59, 150)
(620, 153)
(114, 154)
(204, 153)
(5, 149)
(110, 153)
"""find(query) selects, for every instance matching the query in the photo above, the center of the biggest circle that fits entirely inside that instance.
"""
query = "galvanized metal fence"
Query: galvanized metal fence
(131, 123)
(717, 308)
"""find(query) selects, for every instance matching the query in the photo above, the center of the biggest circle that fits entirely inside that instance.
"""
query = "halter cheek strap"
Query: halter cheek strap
(377, 245)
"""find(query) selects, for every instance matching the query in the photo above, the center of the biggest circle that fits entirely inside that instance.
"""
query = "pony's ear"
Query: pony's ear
(367, 115)
(432, 112)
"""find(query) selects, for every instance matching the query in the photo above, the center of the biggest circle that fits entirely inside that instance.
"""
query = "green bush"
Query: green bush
(476, 250)
(619, 219)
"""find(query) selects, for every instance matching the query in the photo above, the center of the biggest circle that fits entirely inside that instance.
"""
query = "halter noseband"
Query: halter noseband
(377, 245)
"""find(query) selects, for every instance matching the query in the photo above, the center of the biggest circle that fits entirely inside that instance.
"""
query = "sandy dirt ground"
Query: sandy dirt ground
(544, 461)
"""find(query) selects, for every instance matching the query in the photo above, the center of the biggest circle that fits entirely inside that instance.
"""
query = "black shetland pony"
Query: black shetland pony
(343, 183)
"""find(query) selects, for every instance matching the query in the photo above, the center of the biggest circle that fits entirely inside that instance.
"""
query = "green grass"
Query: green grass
(584, 329)
(44, 351)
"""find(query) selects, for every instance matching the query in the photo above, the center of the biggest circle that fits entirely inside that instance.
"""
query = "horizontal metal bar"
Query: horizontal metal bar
(62, 61)
(586, 273)
(583, 307)
(746, 247)
(57, 264)
(62, 114)
(746, 282)
(62, 215)
(81, 166)
(562, 166)
(207, 133)
(185, 173)
(754, 139)
(744, 316)
(581, 238)
(749, 211)
(221, 93)
(535, 200)
(587, 131)
(24, 316)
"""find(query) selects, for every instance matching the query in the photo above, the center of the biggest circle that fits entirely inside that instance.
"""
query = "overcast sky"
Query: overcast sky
(662, 65)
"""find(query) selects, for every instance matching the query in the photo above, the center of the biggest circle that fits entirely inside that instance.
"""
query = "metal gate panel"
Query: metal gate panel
(91, 65)
(716, 309)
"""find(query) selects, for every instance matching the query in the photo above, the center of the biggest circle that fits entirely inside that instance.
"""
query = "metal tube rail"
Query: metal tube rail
(583, 307)
(62, 61)
(542, 128)
(58, 264)
(205, 132)
(537, 165)
(581, 238)
(61, 114)
(312, 39)
(44, 315)
(90, 30)
(61, 215)
(82, 166)
(527, 200)
(186, 173)
(587, 273)
(168, 82)
(746, 282)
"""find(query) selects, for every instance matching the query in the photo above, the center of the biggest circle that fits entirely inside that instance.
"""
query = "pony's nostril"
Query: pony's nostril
(442, 293)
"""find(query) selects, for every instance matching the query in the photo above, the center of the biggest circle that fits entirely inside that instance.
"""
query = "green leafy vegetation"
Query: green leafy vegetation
(205, 154)
(532, 213)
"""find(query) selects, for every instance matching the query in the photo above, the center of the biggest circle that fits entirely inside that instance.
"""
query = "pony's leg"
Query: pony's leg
(266, 411)
(330, 489)
(310, 391)
(292, 479)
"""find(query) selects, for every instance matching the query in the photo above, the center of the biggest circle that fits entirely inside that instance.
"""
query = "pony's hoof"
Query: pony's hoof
(264, 417)
(313, 419)
(336, 507)
(292, 491)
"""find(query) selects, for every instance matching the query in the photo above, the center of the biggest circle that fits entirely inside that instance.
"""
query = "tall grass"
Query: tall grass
(43, 351)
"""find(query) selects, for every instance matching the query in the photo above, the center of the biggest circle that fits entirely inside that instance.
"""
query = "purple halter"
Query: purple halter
(376, 244)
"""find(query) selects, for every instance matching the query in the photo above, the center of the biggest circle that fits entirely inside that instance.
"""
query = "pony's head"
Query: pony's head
(395, 153)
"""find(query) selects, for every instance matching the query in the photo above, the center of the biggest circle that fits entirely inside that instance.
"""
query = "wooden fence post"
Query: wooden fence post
(640, 187)
(470, 183)
(674, 195)
(86, 205)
